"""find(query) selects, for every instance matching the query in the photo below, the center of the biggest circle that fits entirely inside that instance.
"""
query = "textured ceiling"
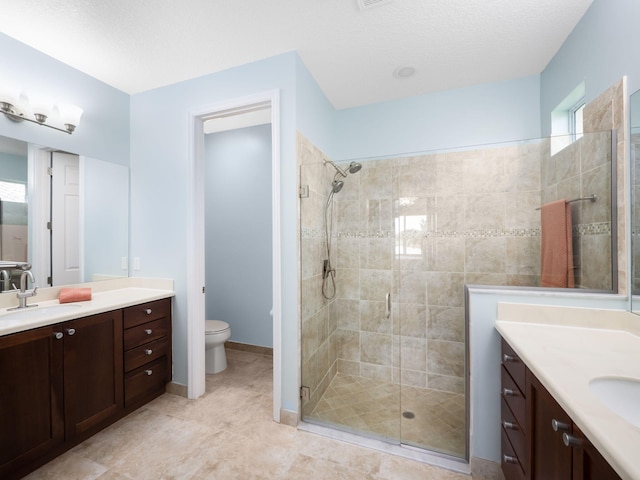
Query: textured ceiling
(137, 45)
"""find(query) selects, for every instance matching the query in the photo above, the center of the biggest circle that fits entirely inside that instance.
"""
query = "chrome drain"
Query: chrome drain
(409, 415)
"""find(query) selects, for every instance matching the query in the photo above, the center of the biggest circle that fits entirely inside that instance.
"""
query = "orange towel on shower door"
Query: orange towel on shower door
(557, 245)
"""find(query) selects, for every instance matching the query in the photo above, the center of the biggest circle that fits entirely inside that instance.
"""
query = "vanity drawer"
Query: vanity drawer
(148, 352)
(515, 433)
(511, 463)
(145, 333)
(514, 398)
(147, 312)
(511, 361)
(146, 381)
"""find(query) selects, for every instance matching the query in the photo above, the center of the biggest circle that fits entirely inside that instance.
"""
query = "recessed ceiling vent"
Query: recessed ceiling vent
(366, 4)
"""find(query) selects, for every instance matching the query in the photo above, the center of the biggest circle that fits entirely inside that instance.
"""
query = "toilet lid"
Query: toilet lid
(215, 326)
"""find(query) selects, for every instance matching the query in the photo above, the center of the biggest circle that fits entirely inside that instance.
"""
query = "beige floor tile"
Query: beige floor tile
(229, 433)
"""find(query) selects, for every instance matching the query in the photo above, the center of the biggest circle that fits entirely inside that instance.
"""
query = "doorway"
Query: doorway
(196, 237)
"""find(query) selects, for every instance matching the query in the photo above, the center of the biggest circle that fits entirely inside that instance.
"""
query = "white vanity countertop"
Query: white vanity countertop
(106, 296)
(566, 348)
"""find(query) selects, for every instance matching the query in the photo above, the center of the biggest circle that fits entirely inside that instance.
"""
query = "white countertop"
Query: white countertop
(567, 348)
(106, 296)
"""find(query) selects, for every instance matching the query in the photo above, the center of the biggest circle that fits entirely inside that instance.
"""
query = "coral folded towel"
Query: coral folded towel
(68, 295)
(556, 248)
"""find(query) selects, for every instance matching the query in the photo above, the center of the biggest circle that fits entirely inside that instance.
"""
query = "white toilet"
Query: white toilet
(216, 333)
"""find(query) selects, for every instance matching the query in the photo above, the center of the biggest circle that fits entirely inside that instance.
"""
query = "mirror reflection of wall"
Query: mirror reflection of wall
(635, 199)
(91, 213)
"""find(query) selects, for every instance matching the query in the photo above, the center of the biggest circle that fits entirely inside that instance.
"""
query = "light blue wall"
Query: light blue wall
(104, 127)
(601, 49)
(160, 148)
(238, 238)
(481, 114)
(315, 116)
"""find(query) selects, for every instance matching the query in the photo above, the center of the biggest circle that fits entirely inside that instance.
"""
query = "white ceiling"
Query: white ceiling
(137, 45)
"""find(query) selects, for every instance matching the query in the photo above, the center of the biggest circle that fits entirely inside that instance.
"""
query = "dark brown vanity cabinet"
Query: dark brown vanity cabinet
(62, 383)
(31, 397)
(147, 345)
(539, 439)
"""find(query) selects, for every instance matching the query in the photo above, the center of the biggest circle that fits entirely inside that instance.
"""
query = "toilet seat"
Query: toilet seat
(215, 326)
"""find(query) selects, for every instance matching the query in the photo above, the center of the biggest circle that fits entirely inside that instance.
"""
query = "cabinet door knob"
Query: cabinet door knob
(509, 425)
(148, 331)
(508, 358)
(58, 335)
(508, 392)
(148, 372)
(509, 459)
(559, 426)
(148, 311)
(148, 351)
(71, 331)
(571, 441)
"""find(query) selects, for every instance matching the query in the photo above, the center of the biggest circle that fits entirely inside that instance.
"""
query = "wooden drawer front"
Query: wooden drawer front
(516, 368)
(145, 380)
(136, 357)
(145, 333)
(515, 433)
(147, 312)
(511, 464)
(513, 397)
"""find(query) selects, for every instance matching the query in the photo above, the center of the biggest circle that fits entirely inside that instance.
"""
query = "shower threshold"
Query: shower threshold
(406, 451)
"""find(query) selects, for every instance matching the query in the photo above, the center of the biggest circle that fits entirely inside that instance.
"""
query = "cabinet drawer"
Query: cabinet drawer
(511, 464)
(145, 381)
(145, 333)
(516, 368)
(147, 312)
(513, 397)
(515, 433)
(148, 352)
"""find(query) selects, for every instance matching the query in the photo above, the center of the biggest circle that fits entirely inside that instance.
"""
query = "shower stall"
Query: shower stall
(387, 247)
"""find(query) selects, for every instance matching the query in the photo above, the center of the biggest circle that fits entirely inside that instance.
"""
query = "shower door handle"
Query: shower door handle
(388, 305)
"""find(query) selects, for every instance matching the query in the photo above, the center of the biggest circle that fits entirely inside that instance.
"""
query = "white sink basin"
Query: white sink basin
(620, 395)
(35, 313)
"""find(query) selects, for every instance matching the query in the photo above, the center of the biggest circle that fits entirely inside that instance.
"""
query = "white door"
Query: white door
(65, 219)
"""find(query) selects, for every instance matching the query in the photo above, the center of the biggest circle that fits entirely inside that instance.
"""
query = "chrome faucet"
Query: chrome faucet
(5, 279)
(23, 293)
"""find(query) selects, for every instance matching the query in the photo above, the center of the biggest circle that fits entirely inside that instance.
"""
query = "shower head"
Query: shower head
(336, 186)
(354, 167)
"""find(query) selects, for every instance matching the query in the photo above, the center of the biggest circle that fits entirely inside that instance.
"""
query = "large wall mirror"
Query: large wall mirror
(635, 201)
(65, 214)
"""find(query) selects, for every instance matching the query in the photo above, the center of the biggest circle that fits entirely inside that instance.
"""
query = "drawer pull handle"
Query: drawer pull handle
(507, 392)
(559, 426)
(148, 372)
(509, 459)
(571, 441)
(508, 358)
(71, 331)
(509, 425)
(148, 331)
(148, 351)
(148, 311)
(58, 335)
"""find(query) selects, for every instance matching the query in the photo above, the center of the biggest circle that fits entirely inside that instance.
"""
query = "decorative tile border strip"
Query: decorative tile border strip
(584, 229)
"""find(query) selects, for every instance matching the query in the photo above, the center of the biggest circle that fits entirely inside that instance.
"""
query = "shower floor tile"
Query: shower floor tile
(363, 405)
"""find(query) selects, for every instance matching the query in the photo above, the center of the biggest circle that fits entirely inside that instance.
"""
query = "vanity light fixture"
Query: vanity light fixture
(41, 108)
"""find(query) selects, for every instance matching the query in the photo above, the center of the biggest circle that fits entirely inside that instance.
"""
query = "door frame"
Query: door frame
(195, 240)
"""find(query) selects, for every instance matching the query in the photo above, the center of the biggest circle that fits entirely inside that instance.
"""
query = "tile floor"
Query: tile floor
(373, 408)
(226, 434)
